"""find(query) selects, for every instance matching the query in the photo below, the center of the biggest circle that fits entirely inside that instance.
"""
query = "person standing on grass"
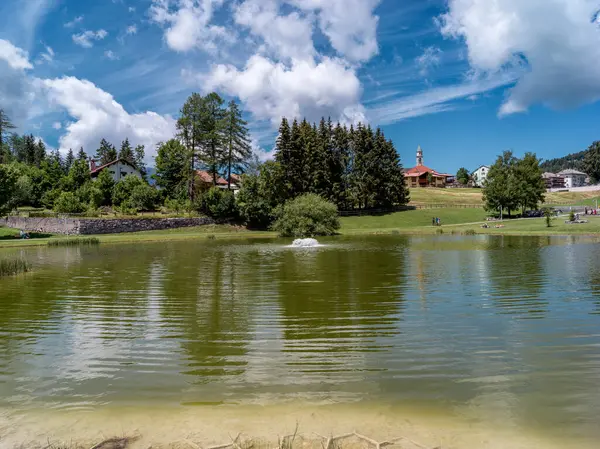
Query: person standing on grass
(433, 221)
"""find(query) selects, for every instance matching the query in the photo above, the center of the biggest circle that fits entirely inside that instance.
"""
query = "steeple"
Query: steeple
(419, 156)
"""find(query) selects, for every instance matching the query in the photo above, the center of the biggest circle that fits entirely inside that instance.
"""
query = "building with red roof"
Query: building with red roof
(205, 180)
(422, 176)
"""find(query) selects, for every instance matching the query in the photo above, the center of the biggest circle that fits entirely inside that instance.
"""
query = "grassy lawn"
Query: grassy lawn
(413, 220)
(474, 197)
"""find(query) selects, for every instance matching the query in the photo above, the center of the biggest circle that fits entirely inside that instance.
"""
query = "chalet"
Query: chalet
(553, 181)
(423, 176)
(204, 180)
(118, 169)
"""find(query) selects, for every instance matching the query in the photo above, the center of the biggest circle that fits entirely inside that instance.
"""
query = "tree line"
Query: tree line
(353, 167)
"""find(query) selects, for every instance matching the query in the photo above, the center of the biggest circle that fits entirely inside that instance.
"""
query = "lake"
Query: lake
(492, 336)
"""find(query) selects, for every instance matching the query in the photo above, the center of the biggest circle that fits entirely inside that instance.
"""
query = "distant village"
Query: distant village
(423, 176)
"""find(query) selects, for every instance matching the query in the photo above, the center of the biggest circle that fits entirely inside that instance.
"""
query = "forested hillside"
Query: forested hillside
(574, 161)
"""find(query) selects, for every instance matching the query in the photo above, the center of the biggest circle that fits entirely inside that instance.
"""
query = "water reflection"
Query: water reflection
(496, 328)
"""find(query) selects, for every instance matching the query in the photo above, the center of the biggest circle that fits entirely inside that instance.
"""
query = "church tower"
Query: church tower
(419, 156)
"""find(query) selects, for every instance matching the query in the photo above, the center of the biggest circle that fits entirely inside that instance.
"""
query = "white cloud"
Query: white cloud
(96, 115)
(15, 57)
(131, 9)
(47, 56)
(111, 55)
(286, 36)
(558, 41)
(187, 24)
(429, 59)
(433, 101)
(56, 125)
(350, 25)
(305, 89)
(86, 38)
(131, 29)
(73, 22)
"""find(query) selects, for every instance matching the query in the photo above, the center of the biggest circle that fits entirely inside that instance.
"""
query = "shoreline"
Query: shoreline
(202, 427)
(166, 236)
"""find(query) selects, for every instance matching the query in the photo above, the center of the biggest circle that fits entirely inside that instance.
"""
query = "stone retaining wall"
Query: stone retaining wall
(88, 226)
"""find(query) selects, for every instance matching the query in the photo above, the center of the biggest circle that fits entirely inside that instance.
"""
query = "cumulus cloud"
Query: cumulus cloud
(97, 115)
(188, 25)
(131, 29)
(56, 125)
(46, 56)
(285, 36)
(557, 41)
(16, 58)
(86, 38)
(350, 25)
(272, 90)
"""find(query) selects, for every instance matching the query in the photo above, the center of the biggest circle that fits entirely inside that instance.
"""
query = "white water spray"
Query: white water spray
(305, 243)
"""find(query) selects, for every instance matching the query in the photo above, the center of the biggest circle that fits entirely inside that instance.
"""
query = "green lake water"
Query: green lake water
(497, 329)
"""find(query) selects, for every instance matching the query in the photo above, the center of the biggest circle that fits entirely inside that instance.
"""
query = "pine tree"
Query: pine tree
(69, 161)
(339, 167)
(5, 126)
(212, 138)
(283, 156)
(39, 153)
(106, 153)
(188, 131)
(321, 162)
(30, 149)
(139, 156)
(126, 152)
(237, 140)
(294, 170)
(81, 156)
(591, 161)
(172, 167)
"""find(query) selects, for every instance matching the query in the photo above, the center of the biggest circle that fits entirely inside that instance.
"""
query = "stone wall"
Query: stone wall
(89, 226)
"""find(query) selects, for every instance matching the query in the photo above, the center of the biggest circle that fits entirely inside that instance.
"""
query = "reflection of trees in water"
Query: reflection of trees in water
(207, 300)
(517, 275)
(341, 300)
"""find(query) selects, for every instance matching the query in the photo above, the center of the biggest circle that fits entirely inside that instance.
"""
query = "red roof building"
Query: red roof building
(206, 178)
(423, 176)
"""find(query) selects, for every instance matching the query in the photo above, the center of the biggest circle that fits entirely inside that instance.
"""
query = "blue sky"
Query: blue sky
(465, 79)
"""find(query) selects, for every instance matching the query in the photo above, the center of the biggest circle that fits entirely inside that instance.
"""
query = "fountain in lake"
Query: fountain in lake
(305, 243)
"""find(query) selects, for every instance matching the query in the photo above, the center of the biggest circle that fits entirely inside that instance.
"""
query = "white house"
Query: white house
(480, 175)
(118, 169)
(573, 178)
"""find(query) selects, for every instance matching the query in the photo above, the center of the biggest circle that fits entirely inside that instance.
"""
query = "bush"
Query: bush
(218, 203)
(143, 197)
(178, 206)
(571, 216)
(307, 216)
(124, 188)
(68, 203)
(50, 197)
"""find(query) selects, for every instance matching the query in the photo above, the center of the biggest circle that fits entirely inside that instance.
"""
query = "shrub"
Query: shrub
(218, 203)
(470, 232)
(178, 206)
(307, 216)
(571, 216)
(124, 188)
(50, 197)
(143, 197)
(68, 203)
(548, 216)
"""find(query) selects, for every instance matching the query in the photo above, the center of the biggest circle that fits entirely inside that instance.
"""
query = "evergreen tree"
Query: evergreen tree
(189, 133)
(30, 150)
(139, 156)
(69, 161)
(5, 126)
(237, 140)
(40, 153)
(54, 168)
(126, 152)
(105, 183)
(106, 153)
(81, 156)
(320, 161)
(283, 156)
(340, 167)
(591, 162)
(212, 137)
